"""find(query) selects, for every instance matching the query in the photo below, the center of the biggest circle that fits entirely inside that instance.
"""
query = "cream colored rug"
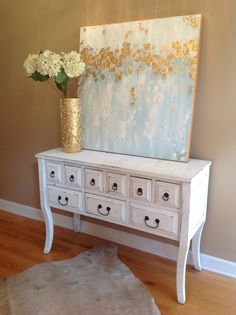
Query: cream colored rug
(95, 282)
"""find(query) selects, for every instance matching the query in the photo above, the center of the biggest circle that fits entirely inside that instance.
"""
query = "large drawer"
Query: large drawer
(64, 199)
(105, 208)
(153, 220)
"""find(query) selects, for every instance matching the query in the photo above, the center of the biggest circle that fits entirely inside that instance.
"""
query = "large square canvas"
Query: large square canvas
(139, 95)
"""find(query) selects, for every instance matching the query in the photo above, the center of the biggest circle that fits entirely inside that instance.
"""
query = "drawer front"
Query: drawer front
(54, 173)
(105, 208)
(73, 176)
(93, 180)
(64, 199)
(156, 221)
(141, 189)
(168, 194)
(116, 184)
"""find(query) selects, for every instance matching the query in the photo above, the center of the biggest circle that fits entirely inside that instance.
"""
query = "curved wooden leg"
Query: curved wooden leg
(76, 222)
(48, 218)
(196, 248)
(181, 272)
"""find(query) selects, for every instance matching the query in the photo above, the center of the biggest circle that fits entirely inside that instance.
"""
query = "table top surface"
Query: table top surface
(169, 170)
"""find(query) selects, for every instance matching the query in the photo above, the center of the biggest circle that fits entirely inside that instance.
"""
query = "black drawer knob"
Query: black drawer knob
(52, 174)
(139, 191)
(165, 196)
(99, 208)
(157, 221)
(65, 203)
(92, 182)
(114, 186)
(72, 178)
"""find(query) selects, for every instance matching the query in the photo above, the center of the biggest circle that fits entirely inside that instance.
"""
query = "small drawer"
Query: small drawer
(73, 176)
(64, 199)
(168, 194)
(141, 188)
(155, 221)
(116, 184)
(54, 173)
(93, 180)
(105, 208)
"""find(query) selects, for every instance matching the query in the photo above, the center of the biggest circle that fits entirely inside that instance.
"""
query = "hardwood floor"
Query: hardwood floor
(21, 244)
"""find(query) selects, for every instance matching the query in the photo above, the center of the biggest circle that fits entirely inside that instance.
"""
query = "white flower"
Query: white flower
(49, 63)
(30, 64)
(72, 64)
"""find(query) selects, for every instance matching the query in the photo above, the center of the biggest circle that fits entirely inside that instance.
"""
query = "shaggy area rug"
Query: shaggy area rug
(95, 282)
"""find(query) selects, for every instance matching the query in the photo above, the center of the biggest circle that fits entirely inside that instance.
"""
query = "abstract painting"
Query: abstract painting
(139, 94)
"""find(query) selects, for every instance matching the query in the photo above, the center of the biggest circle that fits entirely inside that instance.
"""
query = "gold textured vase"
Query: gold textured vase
(70, 125)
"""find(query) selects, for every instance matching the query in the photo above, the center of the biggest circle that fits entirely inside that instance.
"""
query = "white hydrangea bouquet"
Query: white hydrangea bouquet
(47, 66)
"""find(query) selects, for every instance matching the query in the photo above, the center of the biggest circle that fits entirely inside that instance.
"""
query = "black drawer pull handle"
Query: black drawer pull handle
(139, 191)
(146, 218)
(52, 174)
(61, 203)
(165, 196)
(92, 182)
(72, 178)
(99, 208)
(114, 186)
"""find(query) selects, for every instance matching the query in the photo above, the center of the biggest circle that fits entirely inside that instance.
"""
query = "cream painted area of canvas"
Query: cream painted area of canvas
(94, 282)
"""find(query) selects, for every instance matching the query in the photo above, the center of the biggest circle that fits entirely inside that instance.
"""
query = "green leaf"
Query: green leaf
(59, 86)
(61, 77)
(36, 76)
(62, 87)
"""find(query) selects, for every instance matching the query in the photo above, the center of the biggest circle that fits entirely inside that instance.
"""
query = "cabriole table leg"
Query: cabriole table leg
(48, 218)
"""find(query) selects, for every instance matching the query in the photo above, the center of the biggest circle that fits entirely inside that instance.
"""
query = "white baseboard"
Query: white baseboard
(210, 263)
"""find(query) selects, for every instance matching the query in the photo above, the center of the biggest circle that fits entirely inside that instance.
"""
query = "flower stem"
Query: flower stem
(49, 82)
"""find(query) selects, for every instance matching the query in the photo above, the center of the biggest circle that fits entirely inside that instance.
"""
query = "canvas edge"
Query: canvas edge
(196, 84)
(148, 19)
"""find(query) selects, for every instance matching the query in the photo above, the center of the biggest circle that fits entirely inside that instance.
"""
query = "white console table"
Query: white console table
(160, 197)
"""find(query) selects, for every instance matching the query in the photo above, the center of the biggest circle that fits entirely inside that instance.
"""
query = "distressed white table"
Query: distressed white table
(160, 197)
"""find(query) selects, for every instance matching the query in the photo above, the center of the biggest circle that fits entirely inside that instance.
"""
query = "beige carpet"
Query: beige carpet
(94, 282)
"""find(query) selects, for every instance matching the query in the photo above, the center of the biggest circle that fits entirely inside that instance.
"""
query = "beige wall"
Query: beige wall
(29, 111)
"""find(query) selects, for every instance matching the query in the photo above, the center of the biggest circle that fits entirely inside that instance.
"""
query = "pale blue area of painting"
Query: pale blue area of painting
(151, 127)
(158, 123)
